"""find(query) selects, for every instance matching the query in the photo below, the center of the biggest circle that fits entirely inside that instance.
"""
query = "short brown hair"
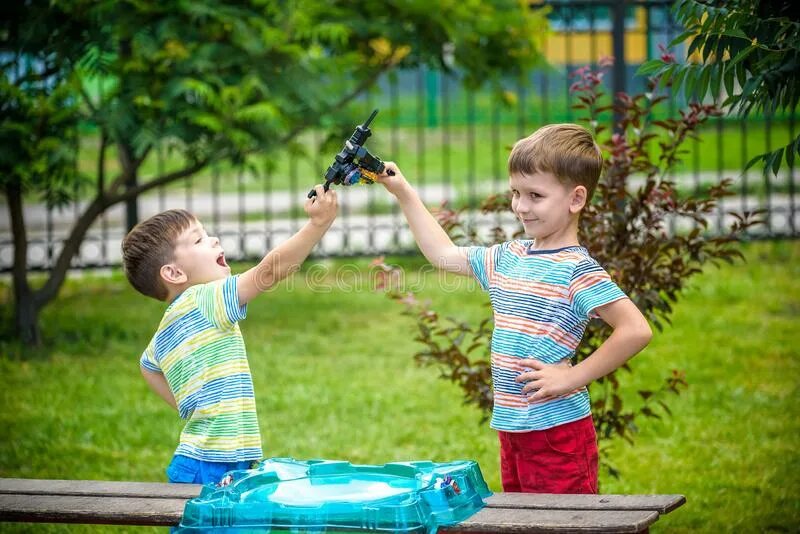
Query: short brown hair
(566, 150)
(150, 246)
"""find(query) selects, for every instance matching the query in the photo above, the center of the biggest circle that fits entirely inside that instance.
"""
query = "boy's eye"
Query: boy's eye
(198, 240)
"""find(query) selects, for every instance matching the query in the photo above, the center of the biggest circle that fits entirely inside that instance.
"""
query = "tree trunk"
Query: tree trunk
(26, 308)
(26, 313)
(130, 166)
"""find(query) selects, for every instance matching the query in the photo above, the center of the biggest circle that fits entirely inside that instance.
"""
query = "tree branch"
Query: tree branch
(363, 85)
(129, 164)
(88, 100)
(101, 163)
(71, 246)
(36, 76)
(127, 161)
(138, 161)
(93, 210)
(156, 182)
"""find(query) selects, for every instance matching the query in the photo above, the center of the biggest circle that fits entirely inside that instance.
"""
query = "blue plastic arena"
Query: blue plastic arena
(320, 496)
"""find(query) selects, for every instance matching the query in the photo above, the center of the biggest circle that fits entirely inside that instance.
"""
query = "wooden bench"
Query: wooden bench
(160, 504)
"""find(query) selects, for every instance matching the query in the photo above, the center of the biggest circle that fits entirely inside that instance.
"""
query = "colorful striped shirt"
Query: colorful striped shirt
(542, 301)
(200, 350)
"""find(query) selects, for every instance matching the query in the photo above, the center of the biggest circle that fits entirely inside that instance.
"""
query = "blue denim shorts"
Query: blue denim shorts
(185, 470)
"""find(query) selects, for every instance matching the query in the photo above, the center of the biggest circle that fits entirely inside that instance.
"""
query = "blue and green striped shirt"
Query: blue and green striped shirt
(200, 350)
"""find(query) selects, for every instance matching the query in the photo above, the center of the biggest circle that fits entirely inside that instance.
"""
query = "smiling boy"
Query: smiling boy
(543, 291)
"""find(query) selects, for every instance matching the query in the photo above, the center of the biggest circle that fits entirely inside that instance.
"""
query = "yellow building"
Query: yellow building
(582, 34)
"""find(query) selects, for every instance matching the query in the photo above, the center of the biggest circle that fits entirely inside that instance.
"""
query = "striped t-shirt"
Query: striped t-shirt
(200, 350)
(542, 301)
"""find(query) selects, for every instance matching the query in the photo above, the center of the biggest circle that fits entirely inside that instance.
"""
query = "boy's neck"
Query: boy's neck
(174, 291)
(568, 237)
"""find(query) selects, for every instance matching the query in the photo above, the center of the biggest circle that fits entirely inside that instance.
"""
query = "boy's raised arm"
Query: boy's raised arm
(287, 257)
(433, 241)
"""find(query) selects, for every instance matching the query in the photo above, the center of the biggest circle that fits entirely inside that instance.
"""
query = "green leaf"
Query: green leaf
(261, 112)
(667, 75)
(753, 161)
(736, 32)
(679, 40)
(769, 159)
(702, 87)
(792, 149)
(739, 58)
(650, 67)
(677, 79)
(209, 121)
(697, 43)
(776, 165)
(691, 81)
(748, 89)
(716, 80)
(729, 82)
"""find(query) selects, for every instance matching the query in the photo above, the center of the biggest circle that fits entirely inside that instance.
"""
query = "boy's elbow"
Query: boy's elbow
(637, 333)
(644, 334)
(449, 258)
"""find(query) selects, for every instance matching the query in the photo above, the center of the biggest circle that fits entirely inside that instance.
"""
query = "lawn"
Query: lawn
(334, 377)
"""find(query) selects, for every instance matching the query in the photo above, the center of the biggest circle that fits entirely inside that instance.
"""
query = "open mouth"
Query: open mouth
(221, 260)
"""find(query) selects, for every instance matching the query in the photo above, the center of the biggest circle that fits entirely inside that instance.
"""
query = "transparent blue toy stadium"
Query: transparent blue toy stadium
(284, 494)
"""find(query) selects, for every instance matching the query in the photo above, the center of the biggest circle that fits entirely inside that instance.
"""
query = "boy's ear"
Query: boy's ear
(577, 199)
(172, 274)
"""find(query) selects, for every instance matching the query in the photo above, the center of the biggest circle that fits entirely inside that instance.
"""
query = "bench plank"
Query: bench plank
(505, 520)
(162, 504)
(102, 488)
(660, 503)
(168, 512)
(663, 504)
(91, 510)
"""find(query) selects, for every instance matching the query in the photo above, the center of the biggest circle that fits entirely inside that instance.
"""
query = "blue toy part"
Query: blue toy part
(352, 178)
(358, 175)
(323, 495)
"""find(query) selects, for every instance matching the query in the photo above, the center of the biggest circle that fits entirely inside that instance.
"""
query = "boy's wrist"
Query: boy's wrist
(404, 191)
(320, 224)
(577, 377)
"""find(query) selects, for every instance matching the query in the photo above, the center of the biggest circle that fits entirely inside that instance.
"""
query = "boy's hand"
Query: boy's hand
(322, 208)
(392, 179)
(548, 381)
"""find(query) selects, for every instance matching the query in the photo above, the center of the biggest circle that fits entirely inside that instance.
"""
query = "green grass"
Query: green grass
(334, 378)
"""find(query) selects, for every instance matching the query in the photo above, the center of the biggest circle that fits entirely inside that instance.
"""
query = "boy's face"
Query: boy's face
(199, 257)
(545, 206)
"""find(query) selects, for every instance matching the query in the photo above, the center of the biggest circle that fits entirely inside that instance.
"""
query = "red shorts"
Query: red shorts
(562, 459)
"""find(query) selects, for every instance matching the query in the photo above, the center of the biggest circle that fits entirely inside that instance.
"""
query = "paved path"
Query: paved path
(353, 233)
(228, 206)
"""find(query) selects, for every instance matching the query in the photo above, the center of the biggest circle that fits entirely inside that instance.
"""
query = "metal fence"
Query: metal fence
(452, 144)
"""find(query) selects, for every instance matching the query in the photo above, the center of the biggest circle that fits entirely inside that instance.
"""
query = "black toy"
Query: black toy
(354, 164)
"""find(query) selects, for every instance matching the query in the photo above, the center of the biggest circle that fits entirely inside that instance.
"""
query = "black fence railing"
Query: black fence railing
(451, 142)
